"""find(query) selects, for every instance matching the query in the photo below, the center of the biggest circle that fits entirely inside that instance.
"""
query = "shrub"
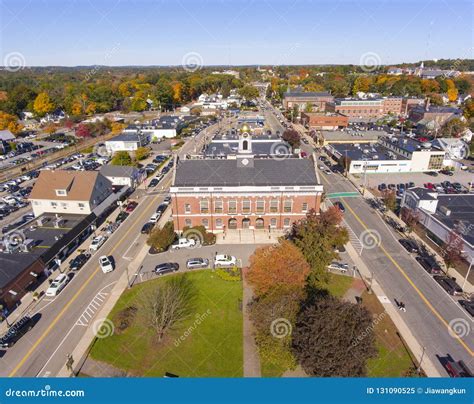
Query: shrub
(232, 274)
(124, 319)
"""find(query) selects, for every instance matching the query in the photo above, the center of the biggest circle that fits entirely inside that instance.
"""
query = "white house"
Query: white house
(72, 192)
(123, 175)
(127, 142)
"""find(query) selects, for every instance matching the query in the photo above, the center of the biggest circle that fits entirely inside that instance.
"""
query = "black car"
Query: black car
(166, 268)
(16, 331)
(121, 217)
(161, 208)
(409, 245)
(429, 264)
(448, 284)
(147, 228)
(78, 262)
(340, 206)
(447, 172)
(154, 182)
(468, 305)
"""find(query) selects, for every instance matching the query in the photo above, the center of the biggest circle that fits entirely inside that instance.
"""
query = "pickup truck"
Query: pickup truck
(184, 243)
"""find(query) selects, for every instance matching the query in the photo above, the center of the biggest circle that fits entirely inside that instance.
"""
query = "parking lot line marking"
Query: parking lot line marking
(422, 296)
(73, 299)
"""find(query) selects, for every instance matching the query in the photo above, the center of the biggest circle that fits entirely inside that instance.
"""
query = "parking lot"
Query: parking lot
(374, 180)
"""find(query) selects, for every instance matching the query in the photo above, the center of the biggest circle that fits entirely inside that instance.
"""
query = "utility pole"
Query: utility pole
(418, 369)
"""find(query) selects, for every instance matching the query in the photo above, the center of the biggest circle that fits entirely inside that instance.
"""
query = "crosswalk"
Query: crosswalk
(91, 309)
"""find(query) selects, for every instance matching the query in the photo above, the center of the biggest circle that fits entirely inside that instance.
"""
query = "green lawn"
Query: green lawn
(393, 359)
(338, 285)
(212, 348)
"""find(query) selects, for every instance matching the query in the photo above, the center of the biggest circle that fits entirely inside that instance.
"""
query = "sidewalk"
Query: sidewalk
(82, 349)
(251, 355)
(415, 347)
(248, 236)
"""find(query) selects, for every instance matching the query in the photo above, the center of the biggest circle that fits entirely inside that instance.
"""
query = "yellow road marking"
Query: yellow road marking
(61, 313)
(435, 312)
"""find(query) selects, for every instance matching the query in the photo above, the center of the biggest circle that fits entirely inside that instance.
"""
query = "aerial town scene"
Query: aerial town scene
(237, 191)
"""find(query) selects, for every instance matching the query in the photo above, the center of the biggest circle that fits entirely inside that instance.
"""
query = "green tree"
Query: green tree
(334, 338)
(142, 153)
(122, 158)
(248, 92)
(317, 236)
(390, 199)
(161, 239)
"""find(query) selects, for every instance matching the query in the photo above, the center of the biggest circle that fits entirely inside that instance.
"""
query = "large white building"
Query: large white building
(127, 141)
(71, 192)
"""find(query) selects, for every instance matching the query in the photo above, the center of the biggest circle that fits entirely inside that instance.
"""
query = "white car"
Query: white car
(9, 199)
(97, 243)
(224, 260)
(184, 243)
(57, 285)
(105, 264)
(155, 217)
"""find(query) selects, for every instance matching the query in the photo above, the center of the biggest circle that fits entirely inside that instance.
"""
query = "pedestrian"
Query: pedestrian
(401, 307)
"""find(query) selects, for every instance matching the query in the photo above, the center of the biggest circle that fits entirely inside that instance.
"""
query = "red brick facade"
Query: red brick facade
(324, 121)
(256, 210)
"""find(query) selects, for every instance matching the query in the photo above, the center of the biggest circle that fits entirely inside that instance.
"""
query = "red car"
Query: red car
(131, 206)
(429, 185)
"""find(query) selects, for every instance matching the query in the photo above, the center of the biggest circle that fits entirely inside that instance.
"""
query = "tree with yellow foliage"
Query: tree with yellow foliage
(10, 122)
(43, 104)
(452, 91)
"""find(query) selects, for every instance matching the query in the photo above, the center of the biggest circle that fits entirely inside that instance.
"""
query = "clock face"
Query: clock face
(245, 161)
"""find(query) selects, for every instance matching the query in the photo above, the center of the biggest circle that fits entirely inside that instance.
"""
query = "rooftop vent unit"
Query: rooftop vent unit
(27, 245)
(366, 151)
(426, 145)
(40, 221)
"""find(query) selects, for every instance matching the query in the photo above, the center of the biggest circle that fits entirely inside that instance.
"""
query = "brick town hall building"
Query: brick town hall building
(244, 192)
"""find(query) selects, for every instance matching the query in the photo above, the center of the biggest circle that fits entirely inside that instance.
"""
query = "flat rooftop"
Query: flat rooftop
(408, 144)
(350, 135)
(461, 213)
(44, 237)
(371, 152)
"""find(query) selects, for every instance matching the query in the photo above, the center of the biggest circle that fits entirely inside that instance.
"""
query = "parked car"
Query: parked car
(448, 284)
(57, 285)
(224, 260)
(468, 305)
(447, 172)
(121, 217)
(96, 243)
(167, 200)
(154, 182)
(166, 268)
(16, 331)
(147, 228)
(106, 264)
(429, 264)
(457, 369)
(196, 263)
(161, 208)
(409, 245)
(78, 262)
(184, 243)
(432, 173)
(155, 217)
(339, 266)
(340, 206)
(131, 206)
(429, 185)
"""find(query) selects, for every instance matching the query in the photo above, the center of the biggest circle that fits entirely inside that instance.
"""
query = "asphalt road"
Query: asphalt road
(431, 313)
(65, 318)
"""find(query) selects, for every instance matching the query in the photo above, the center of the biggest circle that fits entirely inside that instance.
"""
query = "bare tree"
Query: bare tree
(169, 304)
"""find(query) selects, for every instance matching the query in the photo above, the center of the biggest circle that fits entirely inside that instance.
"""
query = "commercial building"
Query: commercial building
(428, 113)
(443, 214)
(324, 121)
(69, 192)
(326, 137)
(388, 155)
(244, 192)
(28, 254)
(316, 100)
(129, 142)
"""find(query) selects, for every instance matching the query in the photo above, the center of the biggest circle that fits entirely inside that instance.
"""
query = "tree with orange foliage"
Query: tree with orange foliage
(452, 91)
(277, 266)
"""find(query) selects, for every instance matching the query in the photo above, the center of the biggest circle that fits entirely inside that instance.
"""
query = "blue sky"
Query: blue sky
(154, 32)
